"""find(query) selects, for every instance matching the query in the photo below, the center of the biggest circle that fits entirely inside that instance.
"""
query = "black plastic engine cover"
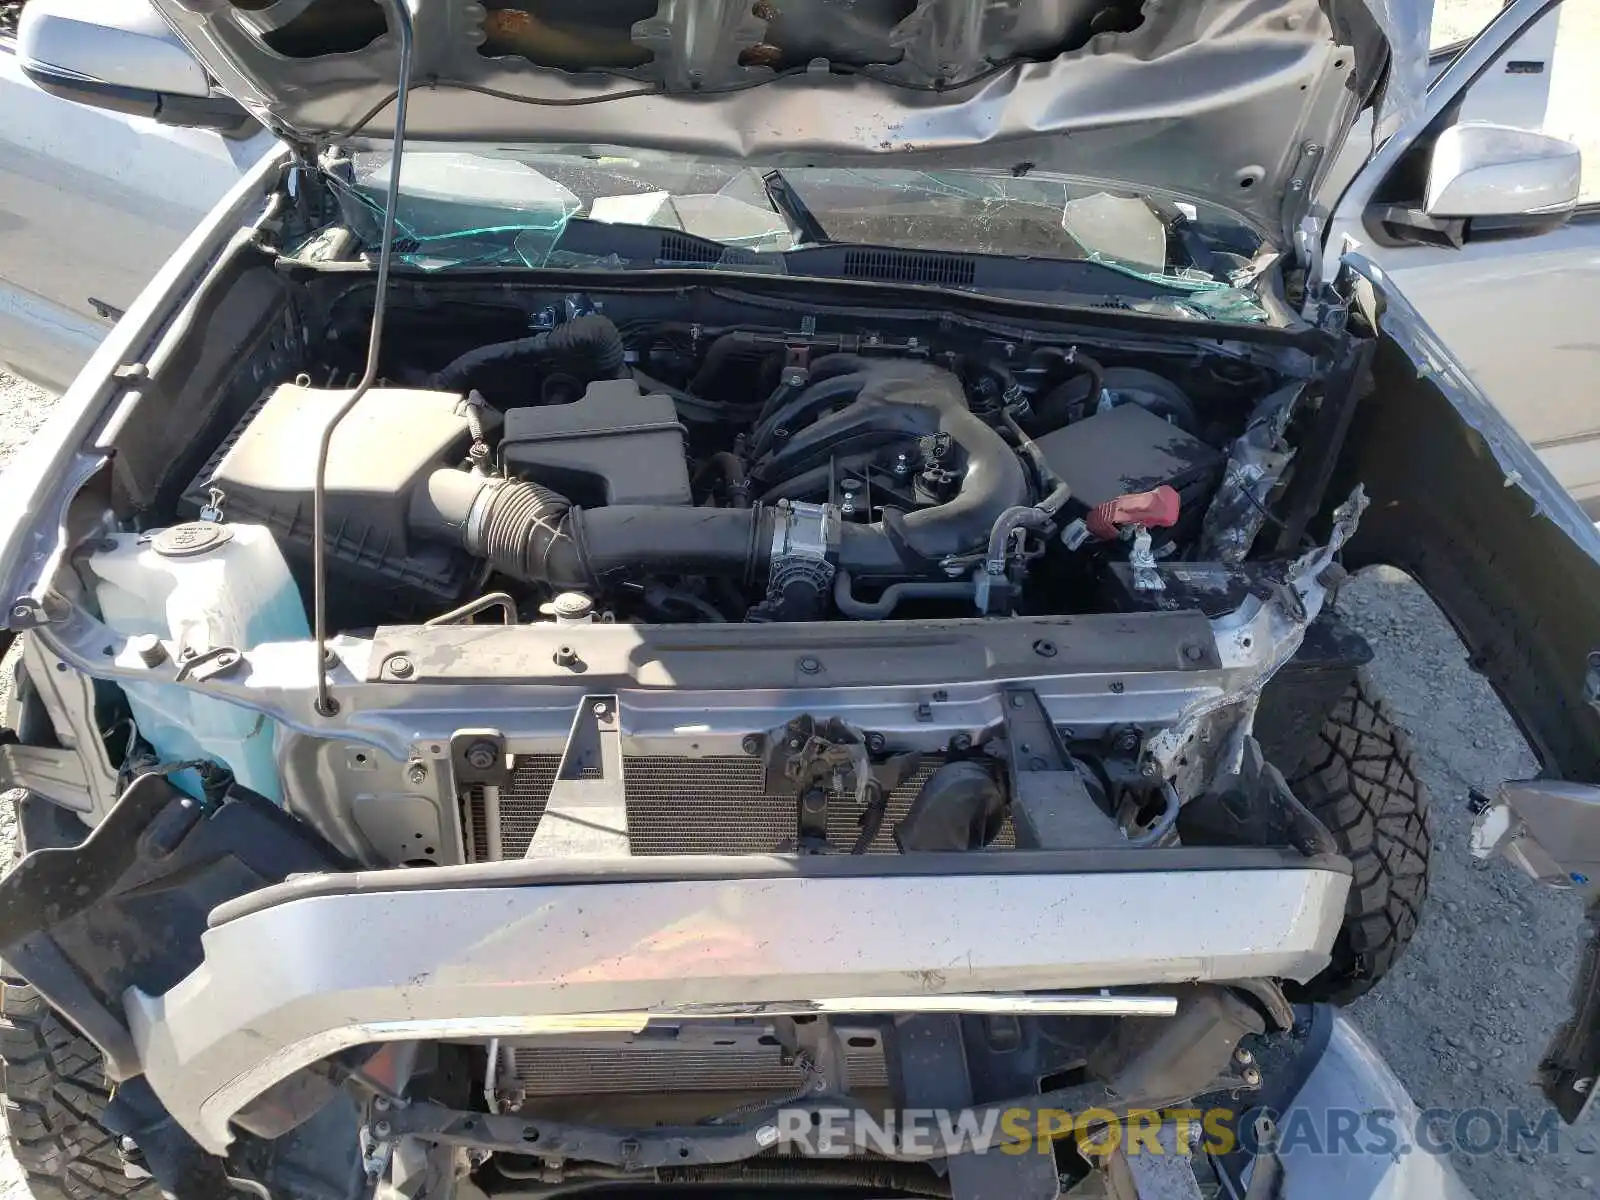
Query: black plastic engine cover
(1129, 449)
(614, 446)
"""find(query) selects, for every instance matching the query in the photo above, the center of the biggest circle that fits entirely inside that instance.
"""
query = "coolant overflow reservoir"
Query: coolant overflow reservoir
(203, 585)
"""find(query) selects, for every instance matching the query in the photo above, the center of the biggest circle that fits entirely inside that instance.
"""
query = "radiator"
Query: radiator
(713, 805)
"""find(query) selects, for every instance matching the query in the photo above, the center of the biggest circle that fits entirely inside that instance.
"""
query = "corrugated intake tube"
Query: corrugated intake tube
(534, 534)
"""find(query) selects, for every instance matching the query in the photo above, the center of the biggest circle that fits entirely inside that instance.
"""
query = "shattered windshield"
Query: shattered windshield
(577, 211)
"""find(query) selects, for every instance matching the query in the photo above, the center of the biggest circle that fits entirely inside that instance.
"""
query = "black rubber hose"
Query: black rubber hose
(730, 467)
(531, 533)
(1066, 401)
(588, 347)
(727, 349)
(845, 600)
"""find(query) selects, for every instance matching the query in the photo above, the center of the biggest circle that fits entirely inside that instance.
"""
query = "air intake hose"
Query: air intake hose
(534, 534)
(588, 347)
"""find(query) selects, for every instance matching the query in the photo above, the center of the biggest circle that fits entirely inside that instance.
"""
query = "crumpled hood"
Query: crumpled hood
(1236, 102)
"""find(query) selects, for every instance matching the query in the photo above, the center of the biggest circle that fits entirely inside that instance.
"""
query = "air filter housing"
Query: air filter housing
(382, 451)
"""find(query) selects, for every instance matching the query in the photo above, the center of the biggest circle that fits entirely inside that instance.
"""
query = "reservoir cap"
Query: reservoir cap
(190, 539)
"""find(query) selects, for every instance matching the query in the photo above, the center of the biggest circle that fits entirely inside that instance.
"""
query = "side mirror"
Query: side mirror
(120, 55)
(1491, 181)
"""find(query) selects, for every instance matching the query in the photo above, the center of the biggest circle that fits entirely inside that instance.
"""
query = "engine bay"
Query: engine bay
(662, 472)
(649, 608)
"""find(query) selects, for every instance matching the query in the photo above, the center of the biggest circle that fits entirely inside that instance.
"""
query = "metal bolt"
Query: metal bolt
(1018, 700)
(400, 667)
(810, 665)
(380, 1103)
(795, 743)
(902, 465)
(876, 742)
(1128, 741)
(149, 649)
(1148, 769)
(1252, 1077)
(481, 756)
(600, 708)
(1244, 1056)
(961, 742)
(382, 1128)
(417, 773)
(751, 744)
(1193, 652)
(22, 611)
(1044, 648)
(566, 656)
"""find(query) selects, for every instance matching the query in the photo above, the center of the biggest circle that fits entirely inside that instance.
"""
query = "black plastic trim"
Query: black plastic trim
(220, 113)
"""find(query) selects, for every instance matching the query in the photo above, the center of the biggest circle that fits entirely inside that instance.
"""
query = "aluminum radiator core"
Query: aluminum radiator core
(712, 805)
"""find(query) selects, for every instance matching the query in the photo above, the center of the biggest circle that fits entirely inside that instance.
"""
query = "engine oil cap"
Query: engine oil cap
(190, 539)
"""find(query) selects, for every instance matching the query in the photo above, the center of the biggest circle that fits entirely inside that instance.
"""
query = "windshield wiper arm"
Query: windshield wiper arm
(794, 210)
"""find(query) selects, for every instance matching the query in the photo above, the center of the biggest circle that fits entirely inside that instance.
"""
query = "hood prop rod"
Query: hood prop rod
(326, 705)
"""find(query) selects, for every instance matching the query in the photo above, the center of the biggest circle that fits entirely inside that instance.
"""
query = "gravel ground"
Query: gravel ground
(1463, 1019)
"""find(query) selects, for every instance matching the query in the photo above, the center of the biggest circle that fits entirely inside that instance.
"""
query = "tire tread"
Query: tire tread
(1361, 781)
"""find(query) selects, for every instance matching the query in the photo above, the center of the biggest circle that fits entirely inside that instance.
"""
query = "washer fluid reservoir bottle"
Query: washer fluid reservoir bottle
(203, 585)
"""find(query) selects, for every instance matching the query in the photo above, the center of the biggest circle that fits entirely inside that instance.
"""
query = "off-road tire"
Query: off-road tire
(55, 1092)
(1361, 782)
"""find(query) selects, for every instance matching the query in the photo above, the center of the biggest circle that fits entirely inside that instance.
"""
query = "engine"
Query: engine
(760, 478)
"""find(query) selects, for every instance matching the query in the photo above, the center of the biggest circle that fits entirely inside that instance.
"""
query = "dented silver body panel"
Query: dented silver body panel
(523, 948)
(1235, 102)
